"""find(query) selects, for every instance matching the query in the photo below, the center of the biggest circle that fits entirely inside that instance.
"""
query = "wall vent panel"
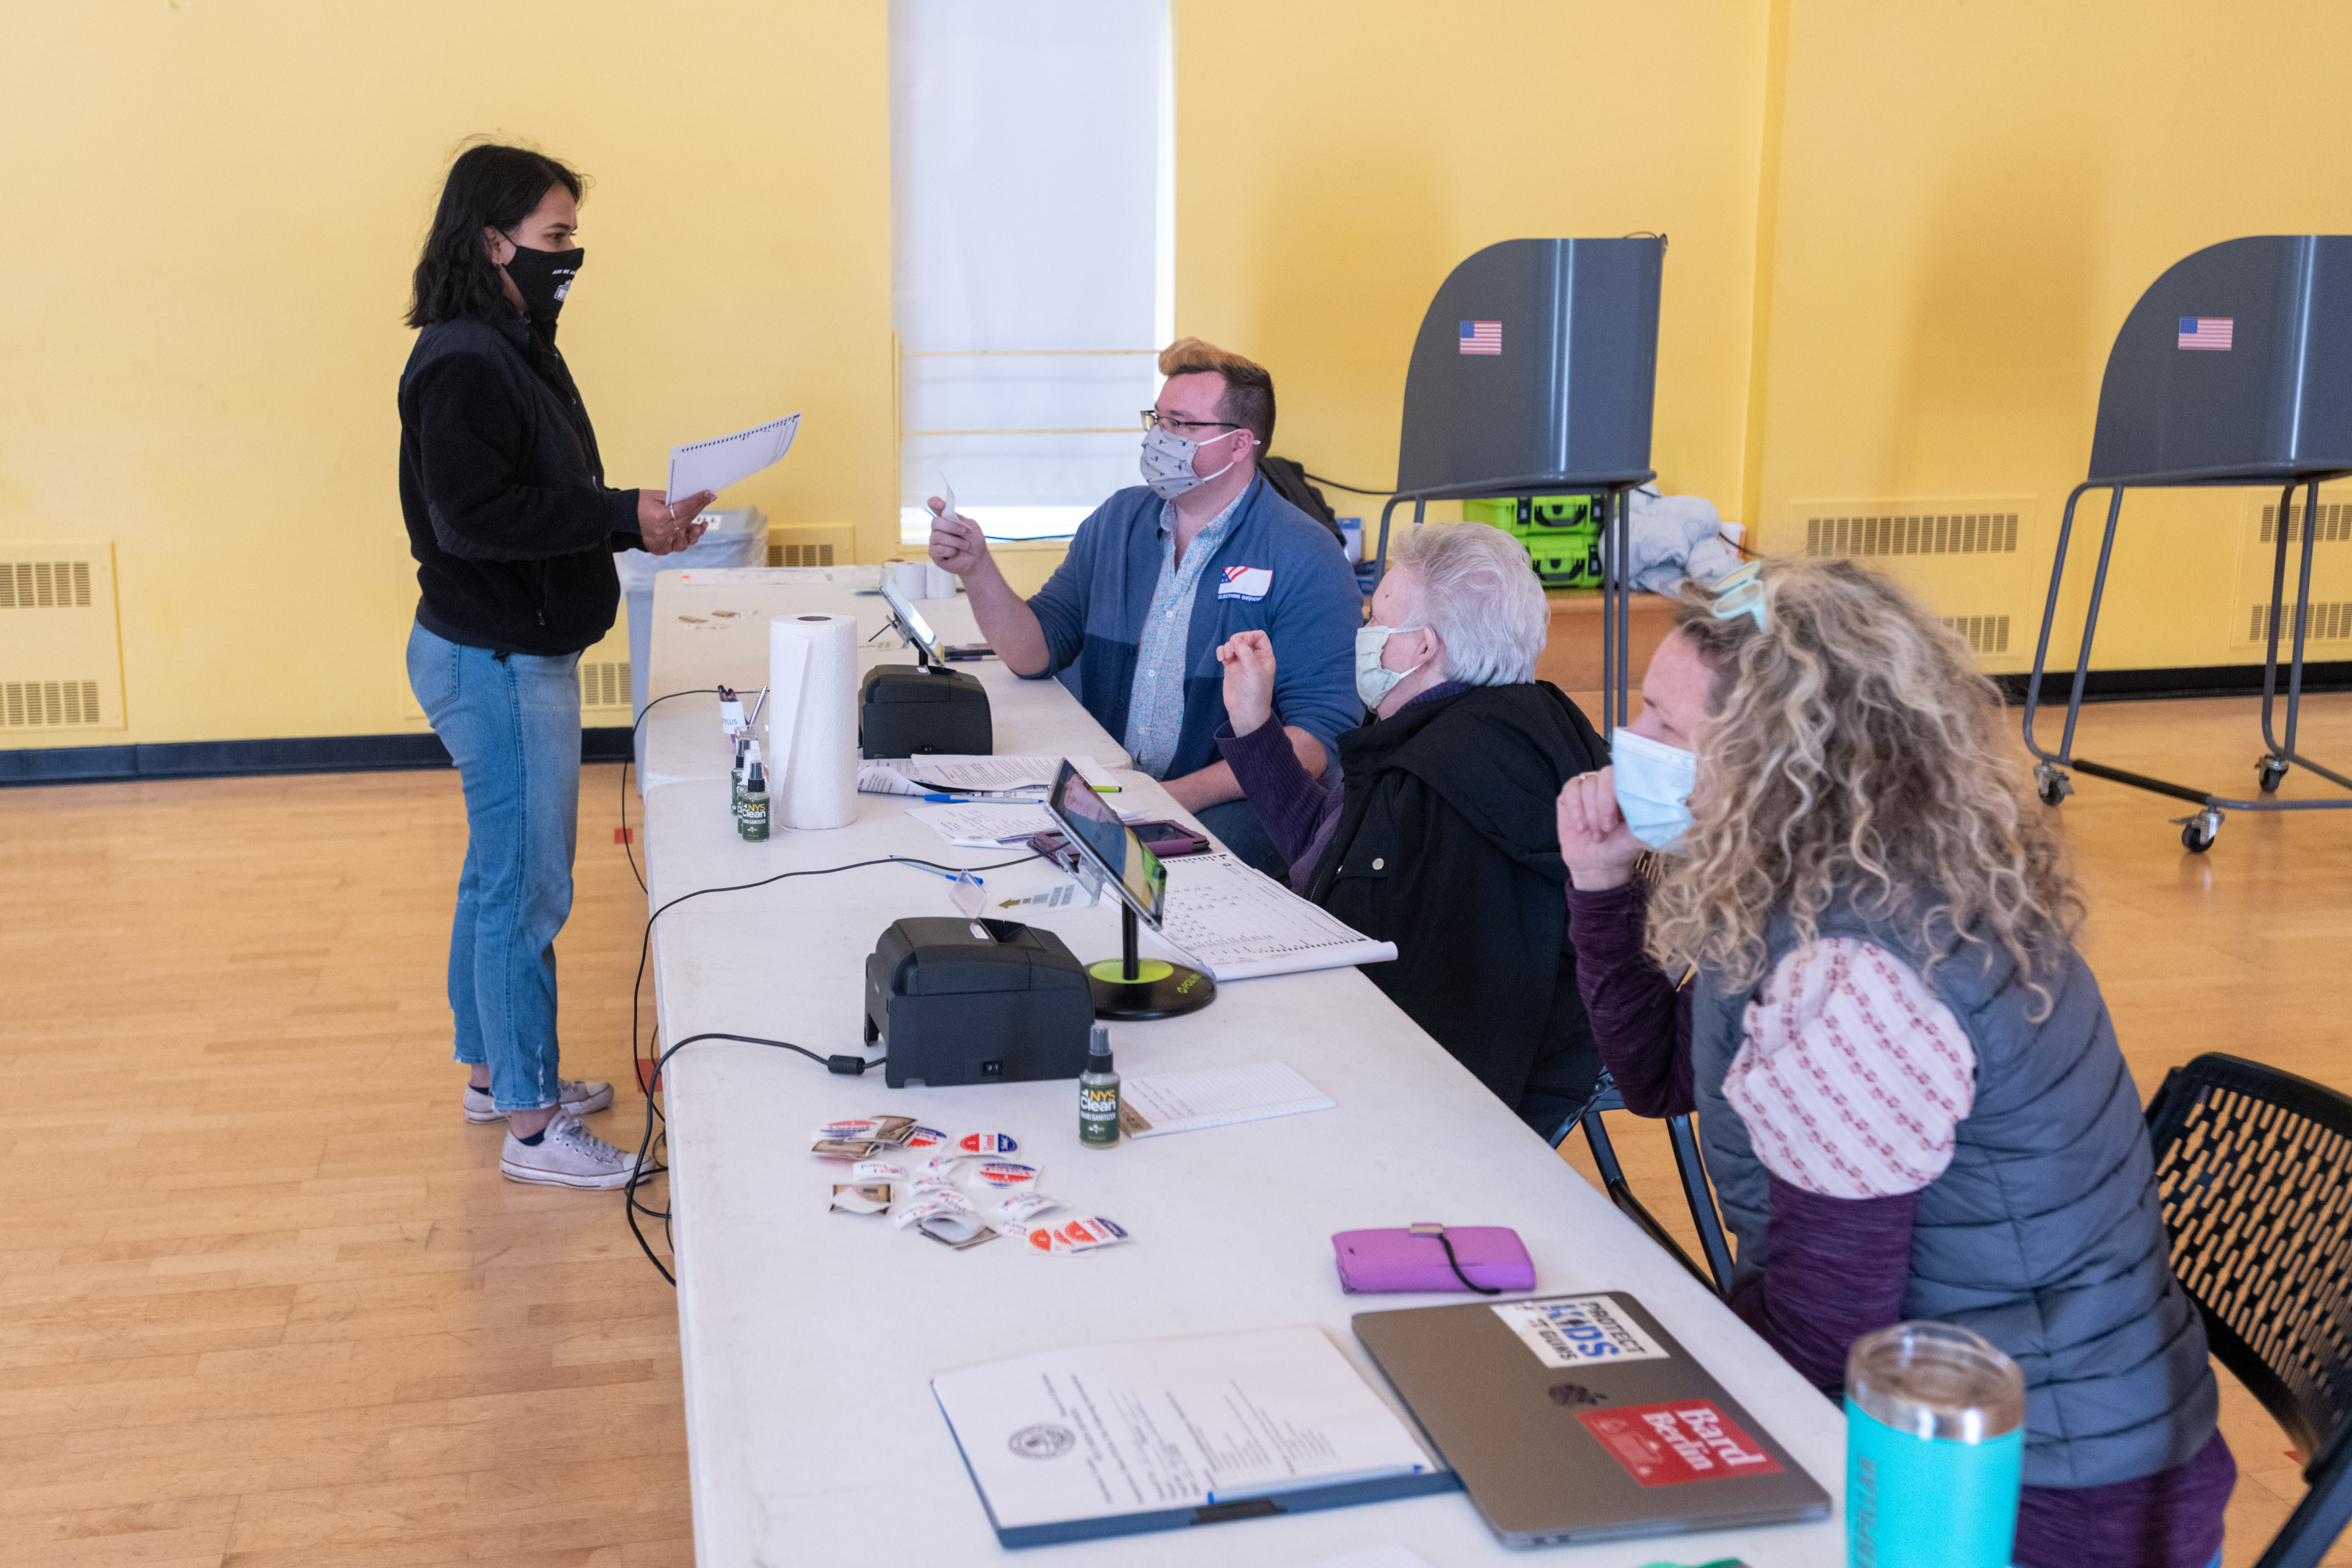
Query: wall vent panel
(2335, 524)
(604, 684)
(1912, 533)
(60, 644)
(2327, 622)
(812, 544)
(1985, 634)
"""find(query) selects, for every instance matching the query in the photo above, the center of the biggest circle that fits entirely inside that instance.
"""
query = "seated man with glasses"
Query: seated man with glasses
(1163, 574)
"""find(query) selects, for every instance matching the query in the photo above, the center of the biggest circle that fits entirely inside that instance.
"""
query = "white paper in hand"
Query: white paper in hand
(725, 460)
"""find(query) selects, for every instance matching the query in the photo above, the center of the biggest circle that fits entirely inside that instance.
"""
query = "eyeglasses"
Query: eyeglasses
(1741, 594)
(1152, 421)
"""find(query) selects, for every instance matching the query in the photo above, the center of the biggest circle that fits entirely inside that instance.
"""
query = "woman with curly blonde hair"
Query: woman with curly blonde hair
(1909, 1091)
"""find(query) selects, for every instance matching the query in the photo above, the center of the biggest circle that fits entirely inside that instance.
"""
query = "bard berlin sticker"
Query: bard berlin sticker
(1577, 1330)
(1682, 1440)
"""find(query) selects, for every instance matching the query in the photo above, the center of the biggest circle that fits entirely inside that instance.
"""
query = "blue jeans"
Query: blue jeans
(512, 725)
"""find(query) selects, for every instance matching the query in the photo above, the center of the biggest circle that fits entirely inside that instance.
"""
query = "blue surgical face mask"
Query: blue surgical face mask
(1655, 781)
(1375, 680)
(1167, 462)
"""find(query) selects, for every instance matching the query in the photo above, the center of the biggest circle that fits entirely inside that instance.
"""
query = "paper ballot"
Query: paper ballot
(1108, 1433)
(725, 460)
(1237, 923)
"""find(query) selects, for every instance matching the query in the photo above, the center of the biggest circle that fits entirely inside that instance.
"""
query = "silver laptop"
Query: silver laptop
(1578, 1418)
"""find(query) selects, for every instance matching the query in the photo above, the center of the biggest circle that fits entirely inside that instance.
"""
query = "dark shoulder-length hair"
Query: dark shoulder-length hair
(490, 186)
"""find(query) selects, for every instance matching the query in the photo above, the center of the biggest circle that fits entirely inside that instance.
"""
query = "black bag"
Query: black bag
(1288, 481)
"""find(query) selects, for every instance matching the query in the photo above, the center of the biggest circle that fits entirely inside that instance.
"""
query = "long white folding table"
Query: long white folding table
(810, 1338)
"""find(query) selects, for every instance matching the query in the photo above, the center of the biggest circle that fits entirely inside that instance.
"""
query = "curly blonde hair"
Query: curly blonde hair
(1854, 748)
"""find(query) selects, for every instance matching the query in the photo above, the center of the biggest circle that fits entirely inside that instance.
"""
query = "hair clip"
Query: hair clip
(1741, 594)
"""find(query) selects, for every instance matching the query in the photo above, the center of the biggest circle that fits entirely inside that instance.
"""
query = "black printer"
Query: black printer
(976, 1001)
(925, 710)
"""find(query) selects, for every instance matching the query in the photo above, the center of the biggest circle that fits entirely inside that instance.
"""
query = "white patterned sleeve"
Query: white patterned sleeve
(1852, 1076)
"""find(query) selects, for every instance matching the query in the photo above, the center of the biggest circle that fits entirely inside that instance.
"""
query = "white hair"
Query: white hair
(1479, 592)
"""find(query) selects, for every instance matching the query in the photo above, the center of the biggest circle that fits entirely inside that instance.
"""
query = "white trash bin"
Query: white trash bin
(738, 537)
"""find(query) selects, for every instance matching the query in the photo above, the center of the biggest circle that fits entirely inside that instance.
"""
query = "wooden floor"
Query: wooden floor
(265, 1300)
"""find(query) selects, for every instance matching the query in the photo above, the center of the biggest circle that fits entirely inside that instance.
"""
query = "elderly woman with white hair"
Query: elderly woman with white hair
(1436, 831)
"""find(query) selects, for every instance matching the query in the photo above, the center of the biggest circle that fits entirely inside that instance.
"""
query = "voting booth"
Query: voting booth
(2234, 369)
(1535, 373)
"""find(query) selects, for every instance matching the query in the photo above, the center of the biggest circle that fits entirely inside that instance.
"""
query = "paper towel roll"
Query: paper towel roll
(811, 751)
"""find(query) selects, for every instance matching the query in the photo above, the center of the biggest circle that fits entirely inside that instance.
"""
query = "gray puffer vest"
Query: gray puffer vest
(2043, 1235)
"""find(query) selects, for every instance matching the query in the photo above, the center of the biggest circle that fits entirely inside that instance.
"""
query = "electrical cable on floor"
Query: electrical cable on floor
(634, 730)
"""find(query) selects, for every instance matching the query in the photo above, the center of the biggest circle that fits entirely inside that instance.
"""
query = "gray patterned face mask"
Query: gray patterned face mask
(1167, 462)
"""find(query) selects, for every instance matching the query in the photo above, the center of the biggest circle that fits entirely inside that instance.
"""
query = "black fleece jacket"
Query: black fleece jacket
(1447, 845)
(503, 491)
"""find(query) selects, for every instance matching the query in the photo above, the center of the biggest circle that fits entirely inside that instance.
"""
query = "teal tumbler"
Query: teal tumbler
(1934, 1444)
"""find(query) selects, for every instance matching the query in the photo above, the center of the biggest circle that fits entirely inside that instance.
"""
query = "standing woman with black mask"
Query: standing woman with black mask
(513, 529)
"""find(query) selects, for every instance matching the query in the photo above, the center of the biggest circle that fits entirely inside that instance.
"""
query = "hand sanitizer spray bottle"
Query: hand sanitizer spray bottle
(1098, 1094)
(755, 803)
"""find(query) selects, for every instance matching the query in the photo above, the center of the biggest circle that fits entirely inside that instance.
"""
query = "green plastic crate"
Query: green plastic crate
(1562, 534)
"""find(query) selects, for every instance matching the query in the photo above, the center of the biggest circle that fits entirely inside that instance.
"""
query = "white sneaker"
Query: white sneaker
(568, 1156)
(573, 1097)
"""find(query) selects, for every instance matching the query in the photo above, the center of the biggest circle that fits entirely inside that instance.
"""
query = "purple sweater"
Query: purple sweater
(1298, 810)
(1838, 1268)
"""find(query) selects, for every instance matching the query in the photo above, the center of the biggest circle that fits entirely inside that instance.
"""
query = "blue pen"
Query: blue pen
(950, 875)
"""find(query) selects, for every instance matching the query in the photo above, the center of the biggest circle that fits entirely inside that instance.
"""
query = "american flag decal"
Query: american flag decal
(2198, 332)
(1482, 336)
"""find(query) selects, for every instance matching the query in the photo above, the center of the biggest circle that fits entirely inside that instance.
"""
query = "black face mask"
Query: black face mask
(544, 278)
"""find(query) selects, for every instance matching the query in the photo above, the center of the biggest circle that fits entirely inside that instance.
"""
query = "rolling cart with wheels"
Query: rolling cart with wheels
(2235, 369)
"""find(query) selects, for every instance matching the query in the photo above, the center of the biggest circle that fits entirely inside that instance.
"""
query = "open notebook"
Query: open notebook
(1236, 923)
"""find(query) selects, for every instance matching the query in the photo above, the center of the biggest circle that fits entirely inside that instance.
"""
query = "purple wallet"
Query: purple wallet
(1491, 1258)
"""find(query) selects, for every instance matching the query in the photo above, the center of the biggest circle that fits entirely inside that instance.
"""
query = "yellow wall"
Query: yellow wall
(1903, 237)
(1334, 162)
(214, 209)
(1971, 197)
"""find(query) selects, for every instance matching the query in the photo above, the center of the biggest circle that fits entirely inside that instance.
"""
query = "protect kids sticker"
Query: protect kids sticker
(1577, 1331)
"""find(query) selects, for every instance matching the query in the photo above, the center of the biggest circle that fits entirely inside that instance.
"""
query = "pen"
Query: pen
(950, 875)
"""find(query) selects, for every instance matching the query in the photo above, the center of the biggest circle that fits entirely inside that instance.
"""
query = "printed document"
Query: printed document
(725, 460)
(1028, 777)
(1237, 922)
(1100, 1430)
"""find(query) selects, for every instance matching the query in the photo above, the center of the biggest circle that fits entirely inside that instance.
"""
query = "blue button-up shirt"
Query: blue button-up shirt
(1286, 578)
(1155, 713)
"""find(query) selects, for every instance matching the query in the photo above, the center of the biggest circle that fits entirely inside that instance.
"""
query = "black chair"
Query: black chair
(2253, 1170)
(1687, 1160)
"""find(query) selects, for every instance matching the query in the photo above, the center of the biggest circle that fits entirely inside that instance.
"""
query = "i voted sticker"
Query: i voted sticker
(987, 1144)
(1005, 1173)
(1251, 582)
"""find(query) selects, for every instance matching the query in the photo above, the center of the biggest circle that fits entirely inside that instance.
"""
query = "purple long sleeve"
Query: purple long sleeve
(1837, 1271)
(1642, 1023)
(1296, 808)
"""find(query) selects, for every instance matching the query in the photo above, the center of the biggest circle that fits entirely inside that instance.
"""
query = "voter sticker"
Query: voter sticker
(1682, 1440)
(1005, 1173)
(1577, 1331)
(1246, 583)
(925, 1138)
(850, 1127)
(987, 1144)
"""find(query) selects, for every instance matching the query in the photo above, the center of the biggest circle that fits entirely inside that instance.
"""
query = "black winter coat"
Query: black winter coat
(503, 491)
(1448, 846)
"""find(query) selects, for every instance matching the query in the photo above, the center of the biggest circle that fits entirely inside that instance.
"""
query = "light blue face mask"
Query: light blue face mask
(1375, 680)
(1655, 781)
